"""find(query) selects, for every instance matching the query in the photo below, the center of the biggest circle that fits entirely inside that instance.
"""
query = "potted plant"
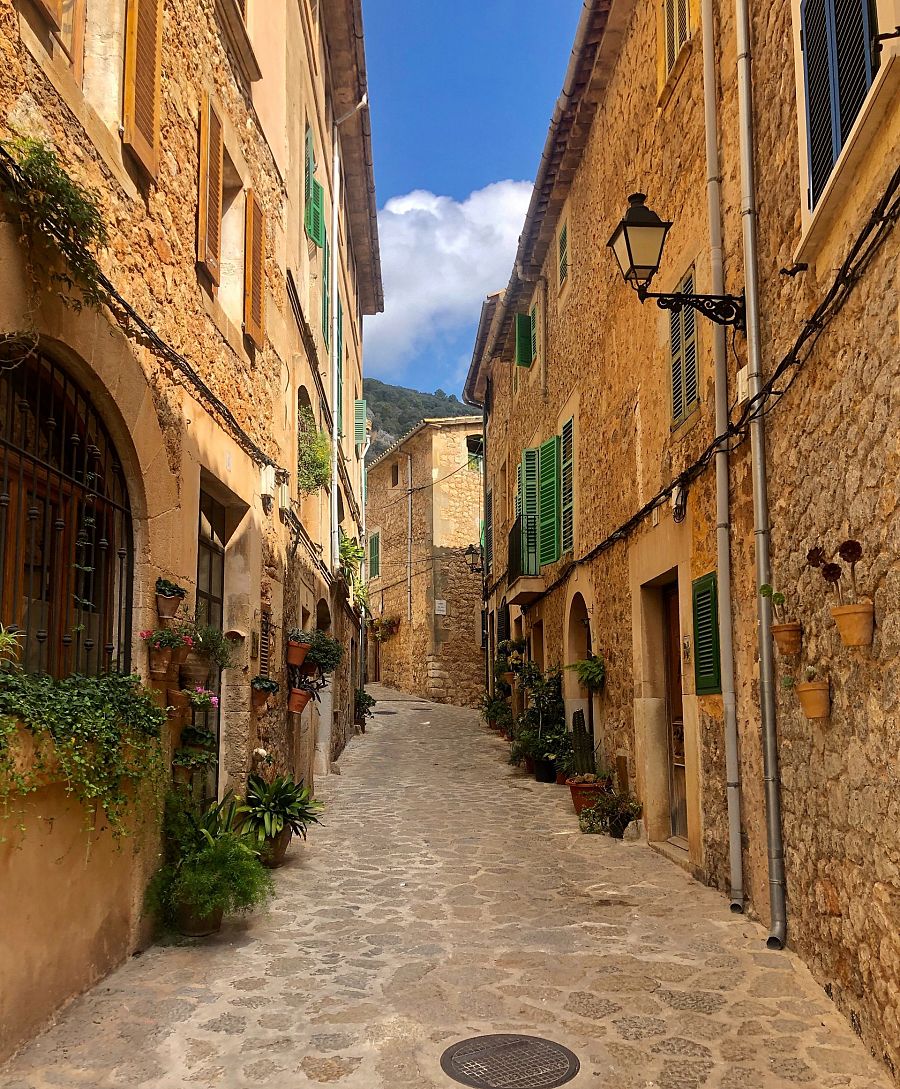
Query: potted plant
(814, 694)
(324, 654)
(161, 643)
(210, 647)
(561, 753)
(856, 619)
(260, 690)
(186, 761)
(588, 787)
(612, 813)
(274, 812)
(169, 596)
(788, 635)
(298, 644)
(200, 698)
(303, 689)
(362, 707)
(212, 868)
(591, 672)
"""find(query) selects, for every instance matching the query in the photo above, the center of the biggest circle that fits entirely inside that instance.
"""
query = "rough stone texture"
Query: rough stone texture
(832, 463)
(394, 935)
(435, 656)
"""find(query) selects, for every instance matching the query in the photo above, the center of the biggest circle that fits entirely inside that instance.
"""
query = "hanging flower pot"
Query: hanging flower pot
(296, 653)
(788, 638)
(182, 775)
(179, 654)
(856, 623)
(195, 670)
(258, 700)
(177, 699)
(297, 700)
(169, 596)
(815, 698)
(160, 660)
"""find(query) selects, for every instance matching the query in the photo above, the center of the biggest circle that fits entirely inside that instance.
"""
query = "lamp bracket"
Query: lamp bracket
(722, 309)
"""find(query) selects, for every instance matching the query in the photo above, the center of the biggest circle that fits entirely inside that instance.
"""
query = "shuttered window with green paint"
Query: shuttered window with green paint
(313, 195)
(359, 424)
(374, 555)
(548, 528)
(519, 490)
(707, 664)
(534, 333)
(524, 340)
(567, 486)
(340, 367)
(531, 510)
(683, 357)
(563, 255)
(489, 531)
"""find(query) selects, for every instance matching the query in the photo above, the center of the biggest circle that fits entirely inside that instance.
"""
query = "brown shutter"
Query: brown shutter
(53, 10)
(254, 271)
(143, 48)
(209, 226)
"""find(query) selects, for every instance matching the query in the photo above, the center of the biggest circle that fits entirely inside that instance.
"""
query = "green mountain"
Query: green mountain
(394, 410)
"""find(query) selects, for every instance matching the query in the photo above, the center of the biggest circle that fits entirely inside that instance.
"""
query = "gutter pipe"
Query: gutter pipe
(335, 362)
(761, 529)
(723, 517)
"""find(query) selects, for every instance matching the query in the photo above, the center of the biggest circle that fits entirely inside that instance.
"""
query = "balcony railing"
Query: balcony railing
(523, 548)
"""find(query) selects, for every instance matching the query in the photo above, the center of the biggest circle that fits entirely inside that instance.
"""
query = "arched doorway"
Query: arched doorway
(66, 541)
(323, 615)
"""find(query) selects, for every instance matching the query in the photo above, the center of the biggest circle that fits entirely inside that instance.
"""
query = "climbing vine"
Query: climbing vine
(313, 454)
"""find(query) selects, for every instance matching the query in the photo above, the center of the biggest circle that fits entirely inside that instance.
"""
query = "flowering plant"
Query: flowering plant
(200, 698)
(165, 639)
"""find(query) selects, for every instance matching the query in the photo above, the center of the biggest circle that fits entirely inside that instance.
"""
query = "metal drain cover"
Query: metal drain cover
(384, 712)
(509, 1062)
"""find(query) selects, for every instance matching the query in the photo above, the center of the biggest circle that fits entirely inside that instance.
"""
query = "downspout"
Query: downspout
(723, 518)
(409, 536)
(775, 842)
(335, 362)
(364, 565)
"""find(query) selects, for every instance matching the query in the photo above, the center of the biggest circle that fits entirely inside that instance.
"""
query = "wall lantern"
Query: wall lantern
(637, 244)
(473, 559)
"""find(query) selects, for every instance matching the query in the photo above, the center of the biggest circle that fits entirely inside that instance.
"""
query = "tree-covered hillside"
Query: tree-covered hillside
(394, 410)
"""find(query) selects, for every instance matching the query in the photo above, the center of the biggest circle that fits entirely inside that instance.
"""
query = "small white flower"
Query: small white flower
(260, 753)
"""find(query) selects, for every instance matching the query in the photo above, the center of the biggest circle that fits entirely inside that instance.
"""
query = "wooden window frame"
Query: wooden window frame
(567, 487)
(707, 682)
(210, 257)
(549, 506)
(144, 148)
(685, 321)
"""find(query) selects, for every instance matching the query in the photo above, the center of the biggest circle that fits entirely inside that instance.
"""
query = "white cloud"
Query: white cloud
(440, 258)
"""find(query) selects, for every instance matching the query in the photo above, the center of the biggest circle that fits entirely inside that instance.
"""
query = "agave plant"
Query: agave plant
(269, 808)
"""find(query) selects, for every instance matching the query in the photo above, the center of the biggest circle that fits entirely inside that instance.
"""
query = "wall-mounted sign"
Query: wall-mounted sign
(440, 608)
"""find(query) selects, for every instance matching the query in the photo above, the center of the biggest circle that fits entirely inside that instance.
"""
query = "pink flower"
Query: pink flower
(214, 700)
(188, 641)
(146, 634)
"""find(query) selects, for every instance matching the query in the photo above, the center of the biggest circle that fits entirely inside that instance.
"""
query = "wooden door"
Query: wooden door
(675, 716)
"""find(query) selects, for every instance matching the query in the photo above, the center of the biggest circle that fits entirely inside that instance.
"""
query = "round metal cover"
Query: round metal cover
(510, 1062)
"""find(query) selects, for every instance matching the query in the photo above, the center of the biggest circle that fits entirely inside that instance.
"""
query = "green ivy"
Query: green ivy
(313, 454)
(104, 733)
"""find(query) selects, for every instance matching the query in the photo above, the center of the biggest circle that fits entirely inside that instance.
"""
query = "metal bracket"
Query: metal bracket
(722, 309)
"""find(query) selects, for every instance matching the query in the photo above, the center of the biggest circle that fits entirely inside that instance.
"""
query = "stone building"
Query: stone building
(229, 149)
(636, 536)
(423, 511)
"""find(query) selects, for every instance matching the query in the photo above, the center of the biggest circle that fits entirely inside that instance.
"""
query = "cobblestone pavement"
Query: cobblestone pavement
(447, 896)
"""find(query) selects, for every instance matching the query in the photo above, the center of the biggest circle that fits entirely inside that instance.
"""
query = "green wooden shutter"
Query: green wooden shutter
(519, 490)
(359, 423)
(326, 290)
(567, 465)
(563, 254)
(524, 358)
(340, 367)
(315, 213)
(548, 527)
(310, 167)
(534, 325)
(683, 356)
(707, 664)
(489, 531)
(374, 555)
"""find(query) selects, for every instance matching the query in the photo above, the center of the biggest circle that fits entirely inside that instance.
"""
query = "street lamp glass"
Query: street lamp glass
(638, 241)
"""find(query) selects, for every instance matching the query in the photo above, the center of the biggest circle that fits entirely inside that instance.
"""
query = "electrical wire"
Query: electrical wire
(873, 234)
(419, 488)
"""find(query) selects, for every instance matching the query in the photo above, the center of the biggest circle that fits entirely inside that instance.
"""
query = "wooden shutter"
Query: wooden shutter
(534, 325)
(531, 509)
(265, 643)
(326, 289)
(340, 367)
(689, 348)
(52, 9)
(489, 531)
(853, 68)
(374, 556)
(209, 227)
(143, 52)
(359, 423)
(548, 520)
(523, 340)
(310, 168)
(503, 624)
(519, 490)
(707, 664)
(254, 271)
(315, 213)
(567, 502)
(819, 113)
(563, 254)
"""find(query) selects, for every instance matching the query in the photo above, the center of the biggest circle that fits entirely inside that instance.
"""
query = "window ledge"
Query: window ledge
(818, 227)
(231, 334)
(236, 34)
(671, 82)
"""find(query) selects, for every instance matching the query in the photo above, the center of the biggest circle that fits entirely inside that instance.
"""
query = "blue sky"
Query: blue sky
(461, 97)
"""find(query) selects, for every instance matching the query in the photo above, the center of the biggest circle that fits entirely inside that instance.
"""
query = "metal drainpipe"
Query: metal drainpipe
(723, 518)
(409, 536)
(775, 842)
(335, 288)
(364, 565)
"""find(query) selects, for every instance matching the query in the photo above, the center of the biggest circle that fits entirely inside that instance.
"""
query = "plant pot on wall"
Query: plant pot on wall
(297, 700)
(788, 638)
(296, 653)
(815, 699)
(160, 660)
(856, 623)
(195, 671)
(167, 607)
(258, 699)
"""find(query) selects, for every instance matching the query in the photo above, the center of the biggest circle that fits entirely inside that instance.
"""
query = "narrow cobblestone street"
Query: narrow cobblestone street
(446, 896)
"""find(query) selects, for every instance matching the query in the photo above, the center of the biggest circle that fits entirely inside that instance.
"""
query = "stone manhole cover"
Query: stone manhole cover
(384, 712)
(509, 1062)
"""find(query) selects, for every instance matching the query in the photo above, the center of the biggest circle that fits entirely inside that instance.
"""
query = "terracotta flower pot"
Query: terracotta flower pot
(273, 850)
(258, 700)
(856, 623)
(192, 925)
(508, 677)
(182, 776)
(177, 699)
(584, 795)
(179, 655)
(195, 671)
(788, 638)
(160, 660)
(297, 700)
(296, 653)
(815, 698)
(561, 777)
(167, 607)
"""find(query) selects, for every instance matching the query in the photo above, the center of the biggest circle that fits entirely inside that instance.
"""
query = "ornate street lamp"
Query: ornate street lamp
(637, 244)
(473, 559)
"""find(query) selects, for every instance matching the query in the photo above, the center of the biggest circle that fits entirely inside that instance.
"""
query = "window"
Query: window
(143, 55)
(255, 271)
(210, 607)
(567, 486)
(489, 532)
(524, 339)
(534, 332)
(475, 453)
(840, 57)
(326, 289)
(360, 415)
(209, 220)
(548, 485)
(683, 357)
(528, 502)
(230, 287)
(395, 474)
(71, 35)
(374, 555)
(677, 29)
(563, 256)
(265, 643)
(707, 664)
(314, 196)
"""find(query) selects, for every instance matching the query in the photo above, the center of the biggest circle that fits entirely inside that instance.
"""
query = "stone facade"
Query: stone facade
(211, 426)
(422, 562)
(604, 361)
